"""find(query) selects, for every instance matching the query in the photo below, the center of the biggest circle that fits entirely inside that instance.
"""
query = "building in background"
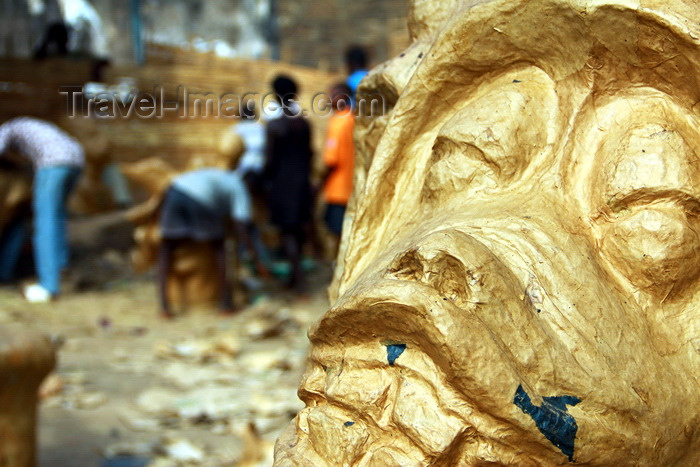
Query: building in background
(312, 33)
(315, 33)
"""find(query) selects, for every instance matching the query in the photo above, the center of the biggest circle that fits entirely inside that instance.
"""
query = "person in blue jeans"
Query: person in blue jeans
(58, 159)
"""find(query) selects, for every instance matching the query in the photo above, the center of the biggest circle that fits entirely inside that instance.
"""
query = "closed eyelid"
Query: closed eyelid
(446, 146)
(647, 196)
(489, 129)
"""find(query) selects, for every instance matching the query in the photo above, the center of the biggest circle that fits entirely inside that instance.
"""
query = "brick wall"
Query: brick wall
(312, 33)
(316, 33)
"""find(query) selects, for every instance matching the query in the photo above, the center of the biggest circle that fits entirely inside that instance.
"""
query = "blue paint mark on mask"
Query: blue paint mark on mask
(552, 419)
(393, 351)
(348, 423)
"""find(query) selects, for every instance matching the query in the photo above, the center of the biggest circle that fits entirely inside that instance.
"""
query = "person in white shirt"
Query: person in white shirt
(252, 132)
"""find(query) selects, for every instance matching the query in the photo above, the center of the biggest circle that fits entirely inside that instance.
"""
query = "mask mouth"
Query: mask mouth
(421, 351)
(305, 444)
(442, 375)
(518, 368)
(462, 306)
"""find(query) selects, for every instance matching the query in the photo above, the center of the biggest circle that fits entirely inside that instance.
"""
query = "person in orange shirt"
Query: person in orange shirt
(339, 158)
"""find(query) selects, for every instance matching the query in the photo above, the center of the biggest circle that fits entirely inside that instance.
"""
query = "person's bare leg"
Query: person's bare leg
(225, 296)
(292, 242)
(310, 233)
(165, 258)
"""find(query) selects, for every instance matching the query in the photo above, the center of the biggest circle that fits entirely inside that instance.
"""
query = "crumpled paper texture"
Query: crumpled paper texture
(519, 275)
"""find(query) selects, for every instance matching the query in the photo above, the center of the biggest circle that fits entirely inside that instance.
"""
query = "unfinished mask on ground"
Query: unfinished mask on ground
(520, 269)
(25, 359)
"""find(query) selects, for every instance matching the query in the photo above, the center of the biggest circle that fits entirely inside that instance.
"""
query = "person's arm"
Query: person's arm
(231, 148)
(5, 138)
(243, 232)
(331, 156)
(10, 158)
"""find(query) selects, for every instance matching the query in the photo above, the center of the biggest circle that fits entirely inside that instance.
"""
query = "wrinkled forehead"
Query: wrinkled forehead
(617, 44)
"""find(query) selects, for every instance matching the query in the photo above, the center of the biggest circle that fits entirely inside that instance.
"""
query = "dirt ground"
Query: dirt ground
(131, 389)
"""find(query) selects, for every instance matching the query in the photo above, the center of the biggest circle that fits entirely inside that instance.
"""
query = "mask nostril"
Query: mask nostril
(408, 266)
(438, 269)
(311, 390)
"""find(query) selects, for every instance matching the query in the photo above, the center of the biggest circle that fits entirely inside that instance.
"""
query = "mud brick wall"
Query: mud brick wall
(316, 33)
(312, 33)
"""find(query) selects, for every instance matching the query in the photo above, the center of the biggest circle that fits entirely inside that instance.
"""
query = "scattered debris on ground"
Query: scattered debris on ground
(132, 390)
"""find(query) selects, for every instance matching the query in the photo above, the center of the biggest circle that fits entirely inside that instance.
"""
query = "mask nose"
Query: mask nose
(452, 263)
(437, 268)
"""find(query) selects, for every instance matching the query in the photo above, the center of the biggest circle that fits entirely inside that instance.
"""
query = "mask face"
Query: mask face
(519, 277)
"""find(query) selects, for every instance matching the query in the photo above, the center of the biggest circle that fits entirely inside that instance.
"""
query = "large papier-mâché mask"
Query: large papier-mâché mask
(520, 274)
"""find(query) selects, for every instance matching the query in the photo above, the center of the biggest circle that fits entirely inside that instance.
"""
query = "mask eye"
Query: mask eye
(647, 227)
(651, 158)
(495, 137)
(456, 167)
(657, 248)
(437, 269)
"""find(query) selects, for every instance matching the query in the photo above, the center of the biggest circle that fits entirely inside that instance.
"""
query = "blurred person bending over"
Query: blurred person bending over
(196, 207)
(339, 160)
(58, 159)
(287, 170)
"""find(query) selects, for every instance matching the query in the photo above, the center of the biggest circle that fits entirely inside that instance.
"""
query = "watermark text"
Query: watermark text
(181, 102)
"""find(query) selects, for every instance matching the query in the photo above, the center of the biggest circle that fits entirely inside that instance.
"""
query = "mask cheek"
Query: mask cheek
(335, 435)
(420, 415)
(369, 392)
(455, 168)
